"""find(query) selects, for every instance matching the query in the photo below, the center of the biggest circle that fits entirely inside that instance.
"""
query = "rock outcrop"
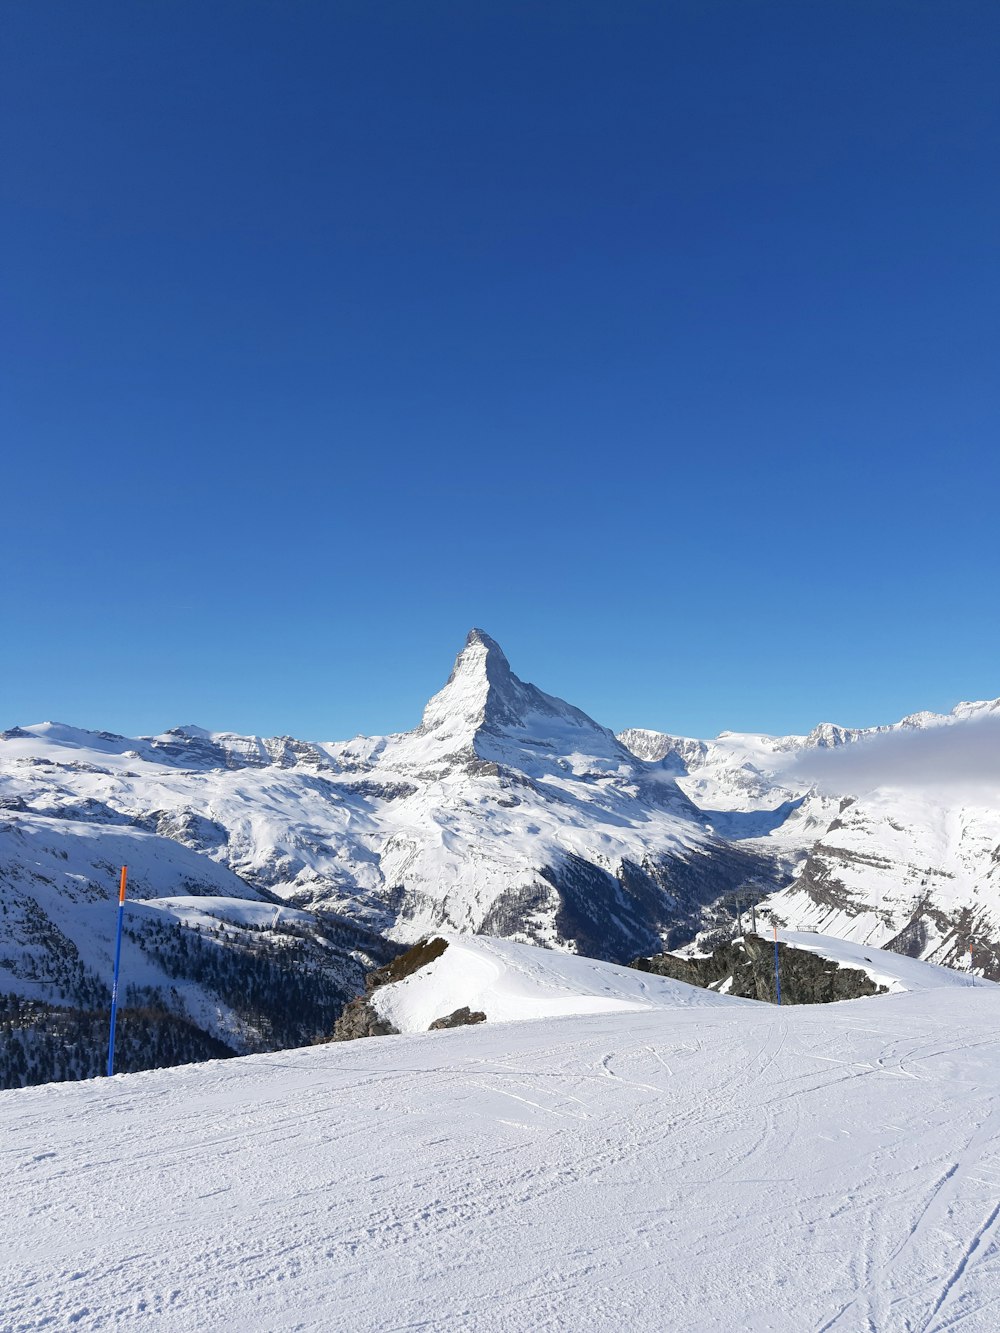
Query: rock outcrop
(747, 965)
(459, 1018)
(360, 1018)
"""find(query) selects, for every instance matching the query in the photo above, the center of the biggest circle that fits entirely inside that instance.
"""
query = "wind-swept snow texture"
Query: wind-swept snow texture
(710, 1167)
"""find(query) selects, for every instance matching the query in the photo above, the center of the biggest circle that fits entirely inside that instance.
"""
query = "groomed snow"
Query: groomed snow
(510, 982)
(706, 1167)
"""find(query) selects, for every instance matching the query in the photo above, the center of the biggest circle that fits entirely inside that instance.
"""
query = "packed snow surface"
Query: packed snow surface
(708, 1167)
(508, 982)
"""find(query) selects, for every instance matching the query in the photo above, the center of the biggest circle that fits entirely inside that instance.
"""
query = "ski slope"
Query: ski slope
(707, 1167)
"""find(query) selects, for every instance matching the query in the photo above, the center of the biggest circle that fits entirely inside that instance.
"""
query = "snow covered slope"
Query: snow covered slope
(705, 1167)
(209, 964)
(509, 982)
(514, 982)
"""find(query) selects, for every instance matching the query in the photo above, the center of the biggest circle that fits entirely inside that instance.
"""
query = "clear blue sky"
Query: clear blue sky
(658, 339)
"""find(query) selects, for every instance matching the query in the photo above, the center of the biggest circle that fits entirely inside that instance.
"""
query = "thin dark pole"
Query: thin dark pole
(118, 959)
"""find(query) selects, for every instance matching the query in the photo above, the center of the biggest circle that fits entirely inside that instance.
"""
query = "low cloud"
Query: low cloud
(961, 756)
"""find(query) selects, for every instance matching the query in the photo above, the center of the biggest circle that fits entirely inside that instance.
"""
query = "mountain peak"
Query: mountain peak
(480, 680)
(485, 712)
(482, 656)
(479, 636)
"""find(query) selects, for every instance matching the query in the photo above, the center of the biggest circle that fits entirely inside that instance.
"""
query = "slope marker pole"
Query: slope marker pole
(118, 959)
(777, 973)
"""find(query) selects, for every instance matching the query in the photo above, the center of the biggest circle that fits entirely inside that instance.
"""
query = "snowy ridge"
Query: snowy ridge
(515, 982)
(511, 982)
(897, 973)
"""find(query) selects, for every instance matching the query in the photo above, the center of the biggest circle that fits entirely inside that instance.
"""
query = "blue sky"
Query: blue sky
(659, 340)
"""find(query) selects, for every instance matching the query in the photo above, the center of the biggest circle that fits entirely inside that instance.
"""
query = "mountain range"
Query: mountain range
(281, 869)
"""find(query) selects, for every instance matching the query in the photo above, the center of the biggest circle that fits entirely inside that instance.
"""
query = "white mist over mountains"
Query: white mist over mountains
(961, 755)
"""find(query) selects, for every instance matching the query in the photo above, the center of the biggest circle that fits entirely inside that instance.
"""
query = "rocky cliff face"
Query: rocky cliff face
(745, 968)
(361, 1019)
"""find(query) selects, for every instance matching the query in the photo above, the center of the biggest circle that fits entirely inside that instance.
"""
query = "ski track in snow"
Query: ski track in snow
(833, 1168)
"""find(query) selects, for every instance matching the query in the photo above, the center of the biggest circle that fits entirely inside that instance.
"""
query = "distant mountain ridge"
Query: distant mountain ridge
(506, 812)
(894, 854)
(656, 745)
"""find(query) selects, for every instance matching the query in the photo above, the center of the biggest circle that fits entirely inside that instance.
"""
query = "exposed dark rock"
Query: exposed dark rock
(954, 932)
(806, 978)
(359, 1019)
(911, 940)
(380, 791)
(186, 827)
(515, 908)
(460, 1018)
(422, 953)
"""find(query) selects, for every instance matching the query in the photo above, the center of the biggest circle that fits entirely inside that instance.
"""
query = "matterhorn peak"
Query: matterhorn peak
(482, 656)
(479, 636)
(484, 712)
(480, 681)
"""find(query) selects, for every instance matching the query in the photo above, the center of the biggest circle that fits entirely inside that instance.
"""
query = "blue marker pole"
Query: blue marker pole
(777, 973)
(118, 959)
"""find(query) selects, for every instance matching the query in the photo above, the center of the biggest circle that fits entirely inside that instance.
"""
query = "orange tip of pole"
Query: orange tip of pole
(121, 890)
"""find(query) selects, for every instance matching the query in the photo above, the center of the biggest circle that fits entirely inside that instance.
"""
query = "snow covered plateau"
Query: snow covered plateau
(267, 875)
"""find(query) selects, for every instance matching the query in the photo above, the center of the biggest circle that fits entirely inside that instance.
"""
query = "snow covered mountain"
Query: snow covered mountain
(506, 811)
(211, 966)
(894, 830)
